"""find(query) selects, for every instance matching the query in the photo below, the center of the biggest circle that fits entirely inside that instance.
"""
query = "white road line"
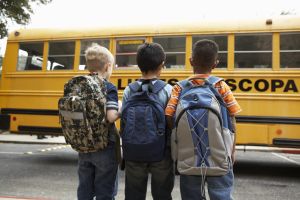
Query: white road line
(15, 153)
(37, 151)
(285, 158)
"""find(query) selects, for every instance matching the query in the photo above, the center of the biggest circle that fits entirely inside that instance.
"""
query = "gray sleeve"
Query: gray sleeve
(166, 94)
(168, 89)
(126, 95)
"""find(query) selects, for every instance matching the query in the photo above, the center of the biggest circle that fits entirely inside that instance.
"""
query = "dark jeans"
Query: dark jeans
(162, 179)
(97, 173)
(219, 187)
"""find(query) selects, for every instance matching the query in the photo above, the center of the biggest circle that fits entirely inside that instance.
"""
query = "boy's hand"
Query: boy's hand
(120, 107)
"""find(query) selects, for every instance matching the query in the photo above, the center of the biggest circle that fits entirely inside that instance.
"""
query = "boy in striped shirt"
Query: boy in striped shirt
(203, 61)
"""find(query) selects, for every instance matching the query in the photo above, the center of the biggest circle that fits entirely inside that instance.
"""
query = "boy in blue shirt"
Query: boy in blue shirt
(97, 171)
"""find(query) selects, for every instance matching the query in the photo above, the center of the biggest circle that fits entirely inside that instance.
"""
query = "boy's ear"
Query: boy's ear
(215, 64)
(192, 62)
(106, 66)
(162, 65)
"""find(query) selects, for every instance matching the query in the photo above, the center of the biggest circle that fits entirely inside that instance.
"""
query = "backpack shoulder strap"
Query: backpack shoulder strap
(134, 87)
(185, 85)
(158, 86)
(214, 79)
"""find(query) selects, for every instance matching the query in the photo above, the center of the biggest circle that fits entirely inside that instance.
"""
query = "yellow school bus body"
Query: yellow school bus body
(269, 97)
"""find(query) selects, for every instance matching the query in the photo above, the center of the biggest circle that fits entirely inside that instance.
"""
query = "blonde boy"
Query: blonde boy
(97, 170)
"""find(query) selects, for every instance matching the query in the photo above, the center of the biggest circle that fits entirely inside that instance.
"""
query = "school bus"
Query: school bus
(259, 60)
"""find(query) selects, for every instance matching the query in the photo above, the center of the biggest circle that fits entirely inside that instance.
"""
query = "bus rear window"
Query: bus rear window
(253, 51)
(175, 51)
(221, 40)
(290, 50)
(61, 55)
(30, 56)
(85, 44)
(126, 52)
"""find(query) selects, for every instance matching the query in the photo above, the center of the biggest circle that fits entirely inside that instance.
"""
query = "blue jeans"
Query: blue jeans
(219, 187)
(97, 173)
(162, 179)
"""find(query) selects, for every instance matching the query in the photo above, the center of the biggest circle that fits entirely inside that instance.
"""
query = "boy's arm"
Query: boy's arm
(112, 104)
(171, 106)
(233, 108)
(112, 115)
(170, 122)
(233, 120)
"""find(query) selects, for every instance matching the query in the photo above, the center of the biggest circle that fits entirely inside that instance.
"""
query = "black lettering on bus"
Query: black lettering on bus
(172, 81)
(231, 83)
(290, 85)
(121, 86)
(242, 85)
(261, 82)
(276, 84)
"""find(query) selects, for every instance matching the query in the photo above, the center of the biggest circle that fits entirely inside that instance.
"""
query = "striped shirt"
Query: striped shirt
(224, 90)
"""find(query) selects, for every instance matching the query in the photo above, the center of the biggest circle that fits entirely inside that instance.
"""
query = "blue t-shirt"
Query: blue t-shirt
(112, 96)
(111, 104)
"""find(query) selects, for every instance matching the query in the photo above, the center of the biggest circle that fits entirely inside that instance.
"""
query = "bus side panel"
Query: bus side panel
(255, 134)
(19, 122)
(284, 135)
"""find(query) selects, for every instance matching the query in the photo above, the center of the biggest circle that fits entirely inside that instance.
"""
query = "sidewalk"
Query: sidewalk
(8, 137)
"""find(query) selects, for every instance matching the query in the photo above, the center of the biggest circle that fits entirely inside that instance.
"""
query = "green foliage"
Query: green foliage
(18, 11)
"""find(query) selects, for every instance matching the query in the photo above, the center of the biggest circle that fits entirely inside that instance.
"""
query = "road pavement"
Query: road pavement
(40, 169)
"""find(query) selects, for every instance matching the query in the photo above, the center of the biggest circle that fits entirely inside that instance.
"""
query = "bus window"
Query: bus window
(290, 50)
(175, 51)
(30, 56)
(253, 51)
(126, 52)
(221, 40)
(61, 55)
(85, 44)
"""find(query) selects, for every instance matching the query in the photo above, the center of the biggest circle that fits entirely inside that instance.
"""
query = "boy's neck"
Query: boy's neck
(149, 76)
(202, 71)
(100, 74)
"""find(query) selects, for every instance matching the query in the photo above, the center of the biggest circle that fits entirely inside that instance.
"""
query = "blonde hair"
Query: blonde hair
(97, 53)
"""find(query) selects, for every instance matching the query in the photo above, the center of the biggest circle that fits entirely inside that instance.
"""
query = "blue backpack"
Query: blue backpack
(203, 137)
(143, 123)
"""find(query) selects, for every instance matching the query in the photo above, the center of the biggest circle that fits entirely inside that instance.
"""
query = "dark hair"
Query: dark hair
(205, 53)
(150, 56)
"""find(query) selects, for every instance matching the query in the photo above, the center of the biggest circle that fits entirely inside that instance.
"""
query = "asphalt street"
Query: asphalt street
(49, 171)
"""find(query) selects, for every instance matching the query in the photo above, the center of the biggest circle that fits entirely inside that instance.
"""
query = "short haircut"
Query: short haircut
(150, 56)
(205, 53)
(99, 54)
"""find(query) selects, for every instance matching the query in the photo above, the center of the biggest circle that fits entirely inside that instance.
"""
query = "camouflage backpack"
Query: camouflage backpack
(82, 112)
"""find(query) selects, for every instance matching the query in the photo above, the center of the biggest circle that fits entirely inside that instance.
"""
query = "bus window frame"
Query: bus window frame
(78, 51)
(226, 35)
(185, 52)
(247, 51)
(286, 51)
(74, 56)
(114, 52)
(17, 57)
